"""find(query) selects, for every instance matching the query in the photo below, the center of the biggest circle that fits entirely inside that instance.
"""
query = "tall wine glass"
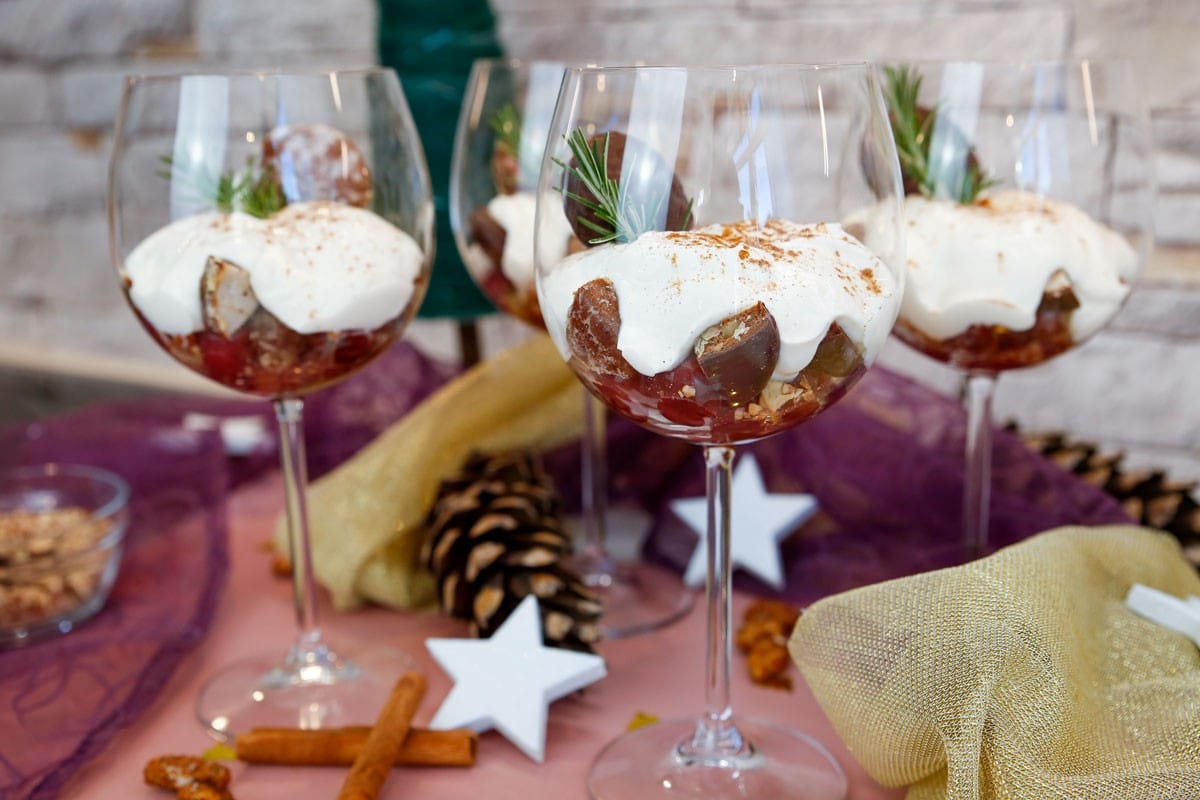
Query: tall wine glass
(273, 232)
(1029, 216)
(725, 294)
(501, 137)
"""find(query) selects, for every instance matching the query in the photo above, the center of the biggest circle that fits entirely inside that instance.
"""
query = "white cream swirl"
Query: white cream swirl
(672, 286)
(516, 213)
(318, 266)
(991, 262)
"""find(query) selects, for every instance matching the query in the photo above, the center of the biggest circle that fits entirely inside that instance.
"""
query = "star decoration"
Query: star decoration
(759, 520)
(507, 682)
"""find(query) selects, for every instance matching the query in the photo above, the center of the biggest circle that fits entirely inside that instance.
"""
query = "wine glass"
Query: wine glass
(273, 232)
(498, 149)
(1029, 216)
(725, 294)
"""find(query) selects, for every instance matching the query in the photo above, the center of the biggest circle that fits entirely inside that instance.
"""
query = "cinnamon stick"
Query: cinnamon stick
(385, 741)
(340, 747)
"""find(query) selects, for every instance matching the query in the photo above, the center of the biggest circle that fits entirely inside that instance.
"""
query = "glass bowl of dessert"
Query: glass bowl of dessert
(1029, 216)
(499, 145)
(725, 292)
(61, 531)
(273, 232)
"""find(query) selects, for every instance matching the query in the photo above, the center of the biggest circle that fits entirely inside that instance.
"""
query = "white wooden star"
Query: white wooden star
(507, 682)
(759, 520)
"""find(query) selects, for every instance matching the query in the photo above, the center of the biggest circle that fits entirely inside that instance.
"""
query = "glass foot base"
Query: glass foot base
(775, 763)
(637, 597)
(320, 688)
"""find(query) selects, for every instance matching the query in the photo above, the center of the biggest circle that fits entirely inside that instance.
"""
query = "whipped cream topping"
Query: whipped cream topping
(990, 263)
(672, 286)
(318, 266)
(516, 213)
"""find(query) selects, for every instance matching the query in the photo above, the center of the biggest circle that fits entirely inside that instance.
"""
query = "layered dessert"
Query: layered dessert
(725, 333)
(500, 242)
(500, 254)
(286, 286)
(1008, 280)
(996, 279)
(718, 334)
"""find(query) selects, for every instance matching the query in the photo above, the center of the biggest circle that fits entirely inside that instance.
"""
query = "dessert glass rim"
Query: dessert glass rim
(821, 66)
(1008, 63)
(52, 469)
(515, 62)
(269, 72)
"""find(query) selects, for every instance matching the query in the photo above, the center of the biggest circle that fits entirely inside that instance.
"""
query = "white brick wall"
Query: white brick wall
(66, 30)
(61, 62)
(268, 27)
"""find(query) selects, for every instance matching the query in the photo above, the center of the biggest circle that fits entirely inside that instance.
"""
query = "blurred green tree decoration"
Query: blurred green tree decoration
(431, 46)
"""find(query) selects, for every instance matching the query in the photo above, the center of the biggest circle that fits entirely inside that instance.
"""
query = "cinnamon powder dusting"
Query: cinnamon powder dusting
(868, 275)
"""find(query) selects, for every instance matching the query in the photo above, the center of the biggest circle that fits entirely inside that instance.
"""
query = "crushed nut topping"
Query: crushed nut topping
(34, 586)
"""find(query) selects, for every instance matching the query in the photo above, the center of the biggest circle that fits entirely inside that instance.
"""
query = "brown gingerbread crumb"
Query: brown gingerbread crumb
(281, 567)
(763, 638)
(178, 772)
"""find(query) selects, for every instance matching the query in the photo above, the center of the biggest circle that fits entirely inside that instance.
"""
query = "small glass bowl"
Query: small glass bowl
(61, 531)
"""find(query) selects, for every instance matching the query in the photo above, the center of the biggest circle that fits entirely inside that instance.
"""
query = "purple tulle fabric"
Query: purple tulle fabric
(62, 700)
(886, 465)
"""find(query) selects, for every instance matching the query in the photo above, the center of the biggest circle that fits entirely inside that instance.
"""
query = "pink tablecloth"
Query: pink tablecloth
(659, 673)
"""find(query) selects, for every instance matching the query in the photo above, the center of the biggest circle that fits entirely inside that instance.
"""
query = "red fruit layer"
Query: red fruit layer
(681, 402)
(281, 362)
(994, 348)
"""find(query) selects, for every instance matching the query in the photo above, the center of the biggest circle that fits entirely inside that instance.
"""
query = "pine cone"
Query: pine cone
(1149, 497)
(495, 535)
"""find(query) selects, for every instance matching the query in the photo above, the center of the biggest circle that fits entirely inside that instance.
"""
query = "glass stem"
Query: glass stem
(594, 487)
(309, 649)
(716, 736)
(978, 482)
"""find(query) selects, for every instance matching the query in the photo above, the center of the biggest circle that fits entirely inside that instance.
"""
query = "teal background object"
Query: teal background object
(431, 44)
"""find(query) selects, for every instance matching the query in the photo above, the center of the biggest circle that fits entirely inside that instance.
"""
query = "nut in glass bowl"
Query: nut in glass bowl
(61, 529)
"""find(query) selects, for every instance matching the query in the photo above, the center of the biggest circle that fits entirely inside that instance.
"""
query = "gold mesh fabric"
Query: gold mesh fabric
(366, 517)
(1021, 676)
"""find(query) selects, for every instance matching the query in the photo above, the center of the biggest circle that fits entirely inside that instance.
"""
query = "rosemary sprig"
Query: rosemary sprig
(506, 124)
(254, 192)
(621, 219)
(912, 126)
(259, 197)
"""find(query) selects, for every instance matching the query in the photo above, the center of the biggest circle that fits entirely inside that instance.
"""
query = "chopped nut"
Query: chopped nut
(54, 584)
(81, 583)
(40, 546)
(32, 590)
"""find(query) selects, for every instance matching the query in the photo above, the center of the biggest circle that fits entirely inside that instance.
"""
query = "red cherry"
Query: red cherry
(353, 349)
(684, 412)
(223, 358)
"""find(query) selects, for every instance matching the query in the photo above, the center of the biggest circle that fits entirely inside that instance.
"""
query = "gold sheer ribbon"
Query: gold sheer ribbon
(1021, 676)
(366, 516)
